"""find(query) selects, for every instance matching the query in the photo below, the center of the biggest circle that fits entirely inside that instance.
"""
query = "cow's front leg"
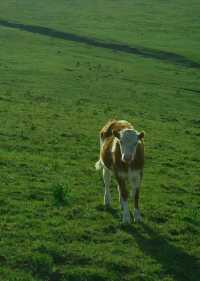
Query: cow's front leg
(107, 180)
(123, 195)
(137, 213)
(135, 178)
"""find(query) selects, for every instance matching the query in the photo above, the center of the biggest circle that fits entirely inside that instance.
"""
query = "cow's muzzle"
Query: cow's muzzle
(127, 158)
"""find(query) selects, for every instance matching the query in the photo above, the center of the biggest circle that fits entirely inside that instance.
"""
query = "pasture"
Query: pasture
(66, 67)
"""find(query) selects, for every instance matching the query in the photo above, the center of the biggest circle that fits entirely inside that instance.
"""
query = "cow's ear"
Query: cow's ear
(116, 134)
(141, 135)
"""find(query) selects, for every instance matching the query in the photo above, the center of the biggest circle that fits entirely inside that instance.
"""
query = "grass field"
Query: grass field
(66, 67)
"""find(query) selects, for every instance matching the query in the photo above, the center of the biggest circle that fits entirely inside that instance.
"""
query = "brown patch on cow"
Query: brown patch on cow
(138, 162)
(141, 135)
(106, 152)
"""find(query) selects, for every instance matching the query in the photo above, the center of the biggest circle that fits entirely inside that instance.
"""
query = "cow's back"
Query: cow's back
(113, 127)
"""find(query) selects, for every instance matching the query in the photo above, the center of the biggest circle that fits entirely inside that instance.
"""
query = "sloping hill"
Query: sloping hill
(134, 60)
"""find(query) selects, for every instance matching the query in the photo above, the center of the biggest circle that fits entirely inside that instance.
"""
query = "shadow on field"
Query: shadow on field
(175, 262)
(139, 51)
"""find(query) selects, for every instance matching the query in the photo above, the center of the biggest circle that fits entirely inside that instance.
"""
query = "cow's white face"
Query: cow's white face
(128, 140)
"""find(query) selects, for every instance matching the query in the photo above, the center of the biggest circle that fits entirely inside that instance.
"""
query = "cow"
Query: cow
(122, 155)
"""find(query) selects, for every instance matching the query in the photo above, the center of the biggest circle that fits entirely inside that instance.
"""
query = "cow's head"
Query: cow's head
(128, 140)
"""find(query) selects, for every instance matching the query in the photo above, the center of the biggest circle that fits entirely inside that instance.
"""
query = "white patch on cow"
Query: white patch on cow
(126, 217)
(124, 122)
(107, 180)
(128, 143)
(98, 165)
(137, 215)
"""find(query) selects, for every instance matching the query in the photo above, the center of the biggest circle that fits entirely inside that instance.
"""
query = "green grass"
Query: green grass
(55, 95)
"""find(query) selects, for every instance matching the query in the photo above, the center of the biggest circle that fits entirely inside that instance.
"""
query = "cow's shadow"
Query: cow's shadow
(174, 261)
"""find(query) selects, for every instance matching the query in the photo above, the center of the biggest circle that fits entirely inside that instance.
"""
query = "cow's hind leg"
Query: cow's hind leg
(107, 180)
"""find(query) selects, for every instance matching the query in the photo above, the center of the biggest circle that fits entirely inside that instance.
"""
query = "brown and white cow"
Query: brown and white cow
(122, 154)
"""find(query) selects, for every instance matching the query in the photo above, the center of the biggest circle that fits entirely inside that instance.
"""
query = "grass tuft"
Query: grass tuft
(62, 195)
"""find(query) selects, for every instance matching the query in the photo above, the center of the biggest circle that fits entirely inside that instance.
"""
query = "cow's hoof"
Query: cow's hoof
(137, 216)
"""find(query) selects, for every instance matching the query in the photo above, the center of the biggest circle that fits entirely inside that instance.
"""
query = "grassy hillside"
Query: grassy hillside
(172, 25)
(66, 67)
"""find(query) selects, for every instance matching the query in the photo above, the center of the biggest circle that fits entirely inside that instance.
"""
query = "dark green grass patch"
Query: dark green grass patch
(62, 195)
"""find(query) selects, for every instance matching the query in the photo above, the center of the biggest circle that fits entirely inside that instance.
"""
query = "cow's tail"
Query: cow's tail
(98, 165)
